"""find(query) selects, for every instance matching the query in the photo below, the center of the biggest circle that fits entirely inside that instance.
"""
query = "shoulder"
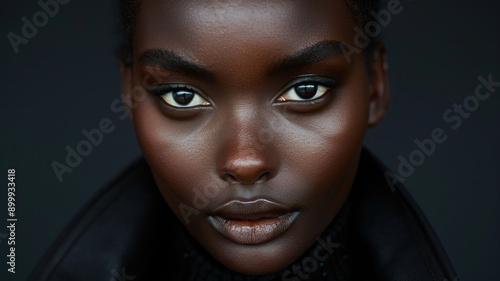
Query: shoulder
(392, 238)
(120, 227)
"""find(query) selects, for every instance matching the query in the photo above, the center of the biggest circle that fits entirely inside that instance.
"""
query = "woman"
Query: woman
(251, 117)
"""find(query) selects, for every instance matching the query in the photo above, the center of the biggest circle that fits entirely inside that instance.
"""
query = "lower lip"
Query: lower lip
(253, 232)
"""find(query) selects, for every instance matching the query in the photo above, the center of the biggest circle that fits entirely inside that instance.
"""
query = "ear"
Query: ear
(126, 96)
(379, 86)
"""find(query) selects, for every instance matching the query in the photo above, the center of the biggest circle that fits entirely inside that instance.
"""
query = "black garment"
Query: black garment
(127, 232)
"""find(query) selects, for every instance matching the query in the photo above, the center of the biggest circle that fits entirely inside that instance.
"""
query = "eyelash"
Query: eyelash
(165, 89)
(319, 81)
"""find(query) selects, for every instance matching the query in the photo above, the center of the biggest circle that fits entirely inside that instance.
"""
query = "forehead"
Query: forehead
(197, 24)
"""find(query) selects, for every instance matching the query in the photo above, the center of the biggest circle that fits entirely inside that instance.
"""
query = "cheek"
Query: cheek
(177, 153)
(323, 151)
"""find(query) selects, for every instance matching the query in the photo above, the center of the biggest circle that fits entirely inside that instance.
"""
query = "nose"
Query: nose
(247, 154)
(247, 166)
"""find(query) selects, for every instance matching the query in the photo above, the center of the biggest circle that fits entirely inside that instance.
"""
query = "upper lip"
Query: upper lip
(250, 210)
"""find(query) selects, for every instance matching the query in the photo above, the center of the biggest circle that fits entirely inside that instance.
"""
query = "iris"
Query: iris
(306, 91)
(183, 97)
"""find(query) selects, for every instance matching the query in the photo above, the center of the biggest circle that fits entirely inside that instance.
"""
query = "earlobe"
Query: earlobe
(126, 87)
(379, 86)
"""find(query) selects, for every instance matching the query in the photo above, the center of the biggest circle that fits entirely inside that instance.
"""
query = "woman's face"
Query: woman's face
(252, 119)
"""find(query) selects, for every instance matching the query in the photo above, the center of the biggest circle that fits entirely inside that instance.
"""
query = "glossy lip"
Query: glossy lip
(251, 223)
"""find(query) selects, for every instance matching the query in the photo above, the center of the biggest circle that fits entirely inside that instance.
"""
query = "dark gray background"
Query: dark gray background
(65, 79)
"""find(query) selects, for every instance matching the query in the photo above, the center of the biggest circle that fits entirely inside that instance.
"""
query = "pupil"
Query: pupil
(306, 91)
(183, 97)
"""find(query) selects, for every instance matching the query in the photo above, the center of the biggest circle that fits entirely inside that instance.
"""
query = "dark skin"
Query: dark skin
(246, 123)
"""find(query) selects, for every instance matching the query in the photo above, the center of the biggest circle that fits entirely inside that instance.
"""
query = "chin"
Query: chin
(258, 260)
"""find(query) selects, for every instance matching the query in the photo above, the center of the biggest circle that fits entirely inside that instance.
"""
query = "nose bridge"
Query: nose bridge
(246, 155)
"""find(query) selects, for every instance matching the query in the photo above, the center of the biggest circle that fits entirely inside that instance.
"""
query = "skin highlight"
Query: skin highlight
(250, 140)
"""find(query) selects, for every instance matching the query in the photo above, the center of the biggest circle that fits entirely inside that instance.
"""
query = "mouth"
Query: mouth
(252, 223)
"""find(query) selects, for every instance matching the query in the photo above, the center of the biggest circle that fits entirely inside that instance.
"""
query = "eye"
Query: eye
(308, 90)
(179, 96)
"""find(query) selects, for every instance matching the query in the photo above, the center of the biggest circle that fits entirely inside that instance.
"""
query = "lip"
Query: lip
(251, 223)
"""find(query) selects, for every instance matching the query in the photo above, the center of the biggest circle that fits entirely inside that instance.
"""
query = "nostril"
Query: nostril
(263, 177)
(232, 178)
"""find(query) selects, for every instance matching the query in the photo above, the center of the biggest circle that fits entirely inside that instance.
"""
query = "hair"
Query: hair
(361, 10)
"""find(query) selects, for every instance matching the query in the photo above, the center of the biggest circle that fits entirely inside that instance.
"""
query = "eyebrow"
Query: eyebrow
(315, 53)
(170, 61)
